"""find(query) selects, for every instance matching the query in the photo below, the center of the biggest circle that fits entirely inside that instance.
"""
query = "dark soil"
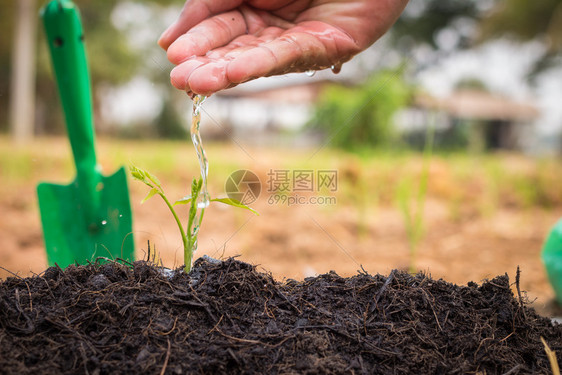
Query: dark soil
(227, 318)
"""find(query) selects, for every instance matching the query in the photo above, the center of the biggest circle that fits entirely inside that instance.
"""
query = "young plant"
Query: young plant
(190, 234)
(414, 220)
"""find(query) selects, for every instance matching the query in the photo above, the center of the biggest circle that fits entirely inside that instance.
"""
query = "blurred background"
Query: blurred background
(444, 139)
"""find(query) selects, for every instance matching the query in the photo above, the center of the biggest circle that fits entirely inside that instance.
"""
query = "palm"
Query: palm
(220, 48)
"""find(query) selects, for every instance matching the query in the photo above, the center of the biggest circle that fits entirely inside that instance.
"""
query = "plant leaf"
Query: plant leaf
(184, 200)
(234, 203)
(137, 173)
(153, 178)
(145, 177)
(150, 194)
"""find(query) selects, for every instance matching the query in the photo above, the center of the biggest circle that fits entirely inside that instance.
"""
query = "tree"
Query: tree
(112, 60)
(22, 97)
(357, 117)
(528, 20)
(424, 19)
(7, 20)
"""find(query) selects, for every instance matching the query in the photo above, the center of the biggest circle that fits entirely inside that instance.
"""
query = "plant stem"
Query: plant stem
(191, 244)
(184, 238)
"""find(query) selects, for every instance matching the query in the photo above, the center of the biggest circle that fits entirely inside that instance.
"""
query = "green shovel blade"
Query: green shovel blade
(71, 238)
(91, 217)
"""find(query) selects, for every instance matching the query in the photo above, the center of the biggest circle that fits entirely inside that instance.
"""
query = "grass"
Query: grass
(486, 181)
(551, 358)
(412, 203)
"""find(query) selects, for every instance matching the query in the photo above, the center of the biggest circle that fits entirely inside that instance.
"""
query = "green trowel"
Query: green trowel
(91, 217)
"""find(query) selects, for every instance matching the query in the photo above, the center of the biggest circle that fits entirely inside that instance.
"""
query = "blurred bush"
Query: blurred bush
(353, 118)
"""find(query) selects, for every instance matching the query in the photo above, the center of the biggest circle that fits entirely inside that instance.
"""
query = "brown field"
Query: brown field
(484, 215)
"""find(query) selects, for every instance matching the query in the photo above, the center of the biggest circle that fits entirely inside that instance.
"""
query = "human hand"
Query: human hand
(220, 44)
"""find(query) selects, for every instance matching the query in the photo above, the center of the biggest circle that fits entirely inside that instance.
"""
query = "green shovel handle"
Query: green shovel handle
(65, 38)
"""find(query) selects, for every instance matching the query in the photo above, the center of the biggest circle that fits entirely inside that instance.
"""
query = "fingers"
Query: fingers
(296, 51)
(180, 75)
(200, 75)
(209, 78)
(214, 75)
(275, 52)
(193, 12)
(212, 33)
(312, 45)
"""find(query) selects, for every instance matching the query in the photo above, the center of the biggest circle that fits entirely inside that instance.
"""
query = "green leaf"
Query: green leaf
(137, 173)
(184, 200)
(153, 178)
(141, 175)
(234, 203)
(150, 194)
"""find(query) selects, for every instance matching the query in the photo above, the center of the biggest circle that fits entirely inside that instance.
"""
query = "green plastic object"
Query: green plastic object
(91, 217)
(552, 258)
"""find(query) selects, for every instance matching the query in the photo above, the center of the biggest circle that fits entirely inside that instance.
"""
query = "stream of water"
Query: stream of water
(203, 198)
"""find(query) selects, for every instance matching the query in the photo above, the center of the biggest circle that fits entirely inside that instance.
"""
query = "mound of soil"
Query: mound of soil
(225, 317)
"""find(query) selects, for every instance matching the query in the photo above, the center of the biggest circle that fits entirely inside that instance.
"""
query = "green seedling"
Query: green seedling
(190, 234)
(414, 220)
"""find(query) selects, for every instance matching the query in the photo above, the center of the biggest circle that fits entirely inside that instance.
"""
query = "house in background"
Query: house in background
(486, 121)
(266, 114)
(272, 111)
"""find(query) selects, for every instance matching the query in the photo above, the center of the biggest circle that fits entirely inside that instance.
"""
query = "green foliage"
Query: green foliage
(169, 124)
(528, 20)
(189, 236)
(357, 117)
(431, 16)
(525, 20)
(112, 60)
(7, 20)
(234, 203)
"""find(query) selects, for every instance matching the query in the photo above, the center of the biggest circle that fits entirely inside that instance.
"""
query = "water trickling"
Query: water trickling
(203, 198)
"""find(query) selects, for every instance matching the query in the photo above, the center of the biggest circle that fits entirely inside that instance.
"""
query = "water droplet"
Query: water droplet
(203, 204)
(104, 222)
(310, 73)
(120, 215)
(336, 68)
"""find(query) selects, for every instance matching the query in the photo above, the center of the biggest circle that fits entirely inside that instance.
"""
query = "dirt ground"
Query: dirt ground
(226, 318)
(305, 240)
